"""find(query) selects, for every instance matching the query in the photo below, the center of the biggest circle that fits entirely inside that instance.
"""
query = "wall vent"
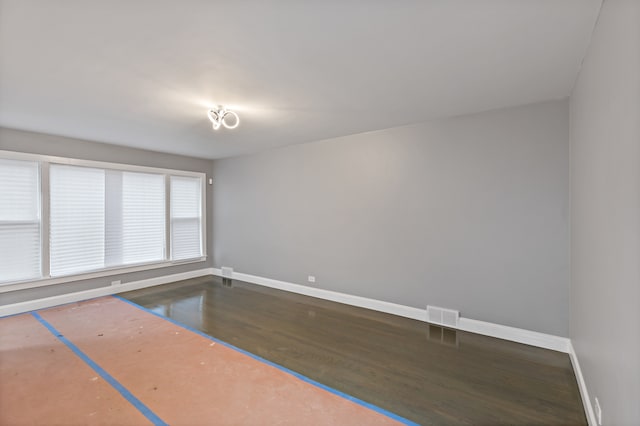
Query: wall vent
(442, 316)
(227, 272)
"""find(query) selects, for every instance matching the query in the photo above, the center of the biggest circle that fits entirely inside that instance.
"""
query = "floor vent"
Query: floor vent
(442, 316)
(227, 272)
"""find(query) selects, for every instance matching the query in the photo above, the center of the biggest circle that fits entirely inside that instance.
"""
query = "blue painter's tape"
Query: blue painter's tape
(106, 376)
(279, 367)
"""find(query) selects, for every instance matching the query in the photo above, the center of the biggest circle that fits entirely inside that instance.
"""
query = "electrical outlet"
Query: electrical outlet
(598, 411)
(311, 279)
(117, 282)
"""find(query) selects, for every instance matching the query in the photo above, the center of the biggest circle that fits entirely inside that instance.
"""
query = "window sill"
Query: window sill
(42, 282)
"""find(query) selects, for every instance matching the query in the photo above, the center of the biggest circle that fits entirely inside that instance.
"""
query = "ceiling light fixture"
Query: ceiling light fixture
(218, 117)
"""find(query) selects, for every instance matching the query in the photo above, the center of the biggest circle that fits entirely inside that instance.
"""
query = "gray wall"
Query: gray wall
(605, 220)
(469, 213)
(38, 143)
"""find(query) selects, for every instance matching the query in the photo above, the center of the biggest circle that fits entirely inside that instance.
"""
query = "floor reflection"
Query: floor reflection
(188, 309)
(442, 335)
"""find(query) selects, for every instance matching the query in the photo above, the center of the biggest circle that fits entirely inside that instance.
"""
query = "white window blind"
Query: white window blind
(105, 218)
(19, 220)
(186, 217)
(77, 224)
(140, 231)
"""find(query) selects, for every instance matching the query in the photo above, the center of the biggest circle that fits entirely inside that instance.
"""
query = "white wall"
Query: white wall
(469, 213)
(605, 231)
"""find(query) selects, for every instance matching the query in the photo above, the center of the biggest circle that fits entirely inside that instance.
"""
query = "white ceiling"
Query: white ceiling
(143, 73)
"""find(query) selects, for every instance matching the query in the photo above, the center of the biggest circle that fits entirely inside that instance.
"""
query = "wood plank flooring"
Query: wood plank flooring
(424, 373)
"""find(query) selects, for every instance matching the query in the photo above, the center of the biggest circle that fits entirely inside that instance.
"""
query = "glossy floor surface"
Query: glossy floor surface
(424, 373)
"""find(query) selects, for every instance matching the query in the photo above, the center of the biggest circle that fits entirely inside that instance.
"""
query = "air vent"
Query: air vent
(227, 272)
(442, 316)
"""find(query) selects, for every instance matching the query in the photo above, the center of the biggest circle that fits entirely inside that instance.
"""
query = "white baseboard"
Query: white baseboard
(47, 302)
(582, 386)
(363, 302)
(519, 335)
(514, 334)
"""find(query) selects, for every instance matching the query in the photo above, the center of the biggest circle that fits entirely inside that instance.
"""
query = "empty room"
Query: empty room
(330, 212)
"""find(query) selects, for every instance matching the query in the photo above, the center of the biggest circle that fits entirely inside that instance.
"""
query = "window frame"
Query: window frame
(44, 161)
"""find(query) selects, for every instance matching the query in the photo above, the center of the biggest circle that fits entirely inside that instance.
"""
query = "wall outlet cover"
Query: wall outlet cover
(117, 282)
(311, 279)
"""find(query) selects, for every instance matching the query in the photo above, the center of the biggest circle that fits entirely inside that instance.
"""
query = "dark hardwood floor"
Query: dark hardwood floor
(422, 372)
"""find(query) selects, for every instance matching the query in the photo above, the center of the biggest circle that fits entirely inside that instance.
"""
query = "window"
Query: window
(96, 216)
(105, 218)
(186, 217)
(77, 219)
(141, 238)
(20, 228)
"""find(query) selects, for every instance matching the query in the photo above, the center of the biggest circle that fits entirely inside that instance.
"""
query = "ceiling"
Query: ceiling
(144, 73)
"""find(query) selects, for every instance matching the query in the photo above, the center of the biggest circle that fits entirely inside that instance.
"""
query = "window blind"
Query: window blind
(186, 217)
(105, 218)
(19, 220)
(143, 218)
(77, 224)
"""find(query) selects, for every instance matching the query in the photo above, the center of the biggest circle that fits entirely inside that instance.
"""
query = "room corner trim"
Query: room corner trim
(533, 338)
(582, 386)
(47, 302)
